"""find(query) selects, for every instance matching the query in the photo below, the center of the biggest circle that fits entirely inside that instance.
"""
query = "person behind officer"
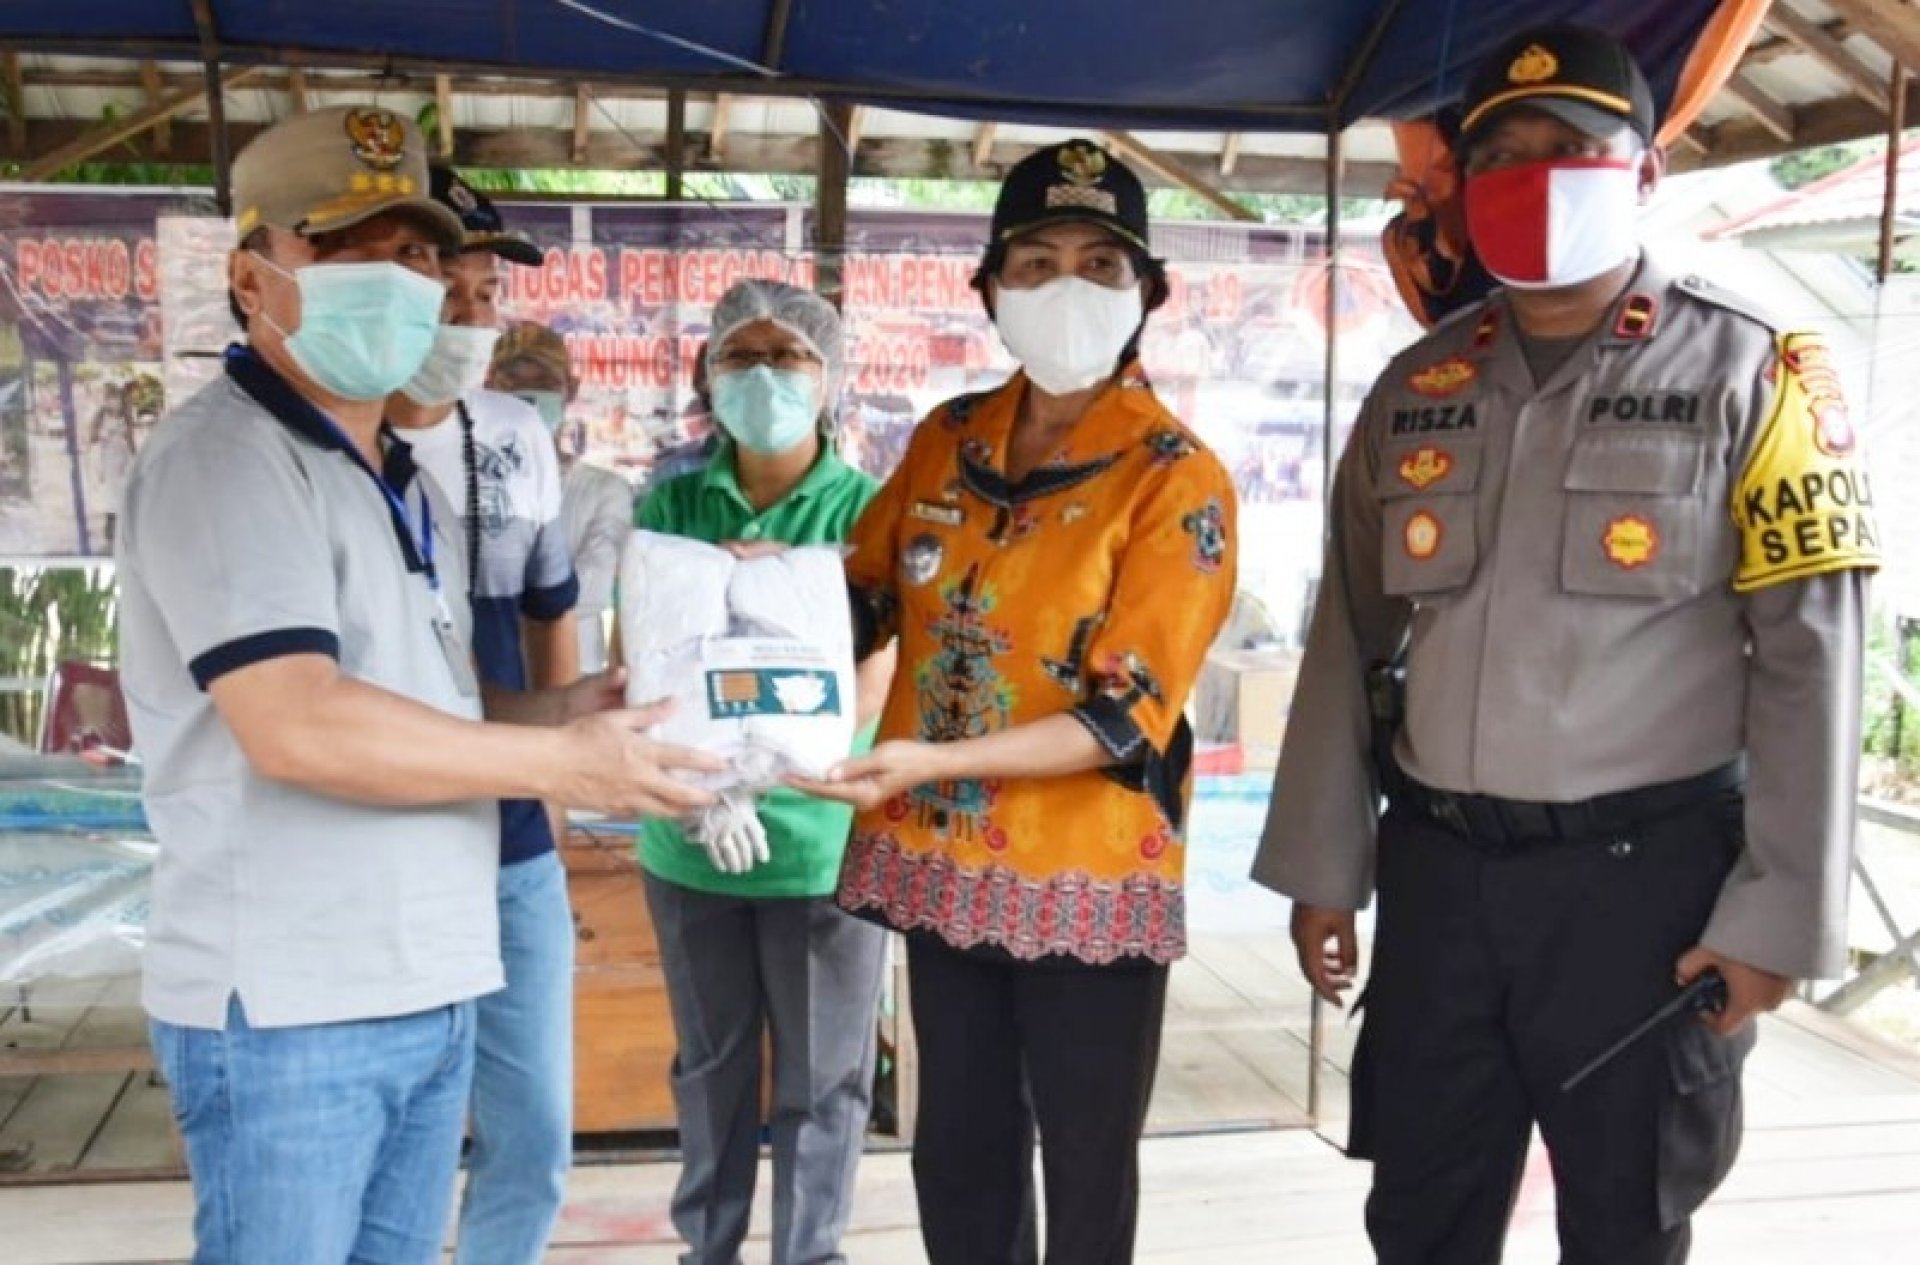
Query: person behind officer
(596, 505)
(491, 455)
(318, 775)
(1619, 516)
(1054, 557)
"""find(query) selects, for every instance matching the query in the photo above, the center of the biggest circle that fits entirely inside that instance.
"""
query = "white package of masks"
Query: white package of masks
(756, 655)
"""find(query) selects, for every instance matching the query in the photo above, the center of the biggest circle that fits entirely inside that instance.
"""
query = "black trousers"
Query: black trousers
(1004, 1045)
(1495, 976)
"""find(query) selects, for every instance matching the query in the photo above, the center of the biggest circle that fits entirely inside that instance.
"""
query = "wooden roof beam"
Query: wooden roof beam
(16, 95)
(983, 145)
(1173, 173)
(113, 131)
(1773, 114)
(163, 130)
(856, 124)
(582, 123)
(1892, 24)
(1742, 137)
(1229, 155)
(717, 130)
(297, 89)
(1831, 53)
(443, 113)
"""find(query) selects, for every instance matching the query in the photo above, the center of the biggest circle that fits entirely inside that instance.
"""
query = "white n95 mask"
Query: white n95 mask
(1068, 333)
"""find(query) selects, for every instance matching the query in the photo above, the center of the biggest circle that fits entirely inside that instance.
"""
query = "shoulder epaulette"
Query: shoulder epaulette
(1698, 287)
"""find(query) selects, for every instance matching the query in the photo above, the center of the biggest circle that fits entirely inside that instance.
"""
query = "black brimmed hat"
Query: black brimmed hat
(480, 222)
(1581, 76)
(1074, 180)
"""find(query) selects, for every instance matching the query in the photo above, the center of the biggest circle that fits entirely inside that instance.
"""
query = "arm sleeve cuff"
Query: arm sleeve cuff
(1112, 724)
(259, 647)
(552, 602)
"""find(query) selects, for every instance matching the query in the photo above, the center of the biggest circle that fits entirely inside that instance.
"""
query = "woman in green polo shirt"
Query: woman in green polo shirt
(767, 950)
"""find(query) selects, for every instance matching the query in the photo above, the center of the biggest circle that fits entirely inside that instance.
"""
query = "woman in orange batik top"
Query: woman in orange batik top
(1054, 557)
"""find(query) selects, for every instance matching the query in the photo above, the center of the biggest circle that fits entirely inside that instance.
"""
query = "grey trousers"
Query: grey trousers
(811, 974)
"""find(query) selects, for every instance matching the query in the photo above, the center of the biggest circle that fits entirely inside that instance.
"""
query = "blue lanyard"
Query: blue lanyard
(396, 503)
(271, 392)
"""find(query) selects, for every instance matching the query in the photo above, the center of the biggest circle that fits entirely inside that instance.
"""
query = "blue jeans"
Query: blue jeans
(523, 1075)
(320, 1144)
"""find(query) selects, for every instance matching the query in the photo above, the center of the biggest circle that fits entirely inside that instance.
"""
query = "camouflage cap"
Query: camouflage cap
(530, 340)
(328, 169)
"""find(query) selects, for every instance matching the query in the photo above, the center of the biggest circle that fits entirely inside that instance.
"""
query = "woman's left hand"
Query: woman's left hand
(871, 780)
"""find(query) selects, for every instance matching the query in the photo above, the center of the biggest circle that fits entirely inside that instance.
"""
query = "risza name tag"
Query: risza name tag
(935, 512)
(459, 657)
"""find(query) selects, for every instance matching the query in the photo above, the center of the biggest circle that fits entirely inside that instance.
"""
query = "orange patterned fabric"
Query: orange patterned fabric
(1094, 586)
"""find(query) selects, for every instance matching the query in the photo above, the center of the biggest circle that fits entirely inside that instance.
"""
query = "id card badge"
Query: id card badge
(459, 657)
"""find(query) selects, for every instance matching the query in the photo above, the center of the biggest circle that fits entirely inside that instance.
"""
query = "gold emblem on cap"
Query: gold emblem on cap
(1534, 65)
(1083, 164)
(379, 139)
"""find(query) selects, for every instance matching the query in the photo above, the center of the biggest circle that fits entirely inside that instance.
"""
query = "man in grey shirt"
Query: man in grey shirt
(1618, 522)
(319, 775)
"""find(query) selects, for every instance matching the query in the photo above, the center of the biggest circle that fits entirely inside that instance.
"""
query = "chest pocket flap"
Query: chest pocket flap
(1427, 504)
(1633, 514)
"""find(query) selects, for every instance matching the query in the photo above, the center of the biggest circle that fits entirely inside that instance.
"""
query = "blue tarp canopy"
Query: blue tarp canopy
(1249, 65)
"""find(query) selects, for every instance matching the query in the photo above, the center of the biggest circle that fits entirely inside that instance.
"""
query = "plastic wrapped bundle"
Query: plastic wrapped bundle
(757, 655)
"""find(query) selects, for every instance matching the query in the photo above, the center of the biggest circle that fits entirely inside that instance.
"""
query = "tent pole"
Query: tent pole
(830, 198)
(216, 105)
(1890, 204)
(1336, 179)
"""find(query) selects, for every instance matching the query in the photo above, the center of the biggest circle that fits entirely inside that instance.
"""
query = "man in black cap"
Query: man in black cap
(490, 453)
(1579, 514)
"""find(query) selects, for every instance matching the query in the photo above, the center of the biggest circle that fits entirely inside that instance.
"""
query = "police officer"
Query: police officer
(1617, 518)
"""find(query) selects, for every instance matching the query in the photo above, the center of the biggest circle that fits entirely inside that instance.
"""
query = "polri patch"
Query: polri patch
(1631, 542)
(1422, 536)
(1424, 467)
(1449, 377)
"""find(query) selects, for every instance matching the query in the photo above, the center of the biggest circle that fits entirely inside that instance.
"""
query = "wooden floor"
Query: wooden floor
(1830, 1174)
(1234, 1055)
(1830, 1171)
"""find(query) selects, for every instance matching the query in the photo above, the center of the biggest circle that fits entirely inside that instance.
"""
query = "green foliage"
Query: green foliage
(1804, 166)
(1890, 727)
(50, 614)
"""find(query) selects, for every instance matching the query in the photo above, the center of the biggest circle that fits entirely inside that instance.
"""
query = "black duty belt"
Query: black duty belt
(1500, 824)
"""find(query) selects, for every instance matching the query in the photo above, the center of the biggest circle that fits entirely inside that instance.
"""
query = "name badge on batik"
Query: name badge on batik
(937, 512)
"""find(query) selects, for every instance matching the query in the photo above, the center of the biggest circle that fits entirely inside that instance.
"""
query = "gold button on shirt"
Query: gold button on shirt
(1094, 587)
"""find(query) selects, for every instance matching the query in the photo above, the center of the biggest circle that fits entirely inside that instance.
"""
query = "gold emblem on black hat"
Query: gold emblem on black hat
(1083, 164)
(1534, 65)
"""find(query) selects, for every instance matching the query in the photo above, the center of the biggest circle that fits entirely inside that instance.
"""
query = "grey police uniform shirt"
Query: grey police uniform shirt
(243, 539)
(1564, 560)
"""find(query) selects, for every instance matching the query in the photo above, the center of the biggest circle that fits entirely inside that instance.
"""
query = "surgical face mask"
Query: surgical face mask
(365, 328)
(457, 364)
(1068, 333)
(550, 405)
(767, 409)
(1546, 225)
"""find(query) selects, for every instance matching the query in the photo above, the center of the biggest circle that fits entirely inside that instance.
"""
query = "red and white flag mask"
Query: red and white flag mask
(1544, 225)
